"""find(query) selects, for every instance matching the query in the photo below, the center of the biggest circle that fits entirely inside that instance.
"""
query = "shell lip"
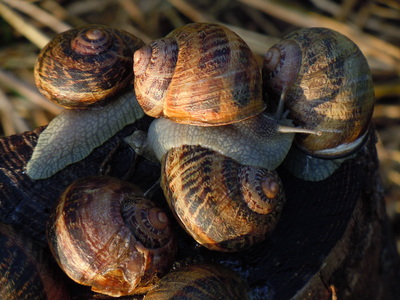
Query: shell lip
(338, 152)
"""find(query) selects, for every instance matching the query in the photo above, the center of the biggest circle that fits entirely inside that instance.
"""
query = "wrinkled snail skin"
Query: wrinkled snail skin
(200, 282)
(104, 234)
(324, 80)
(89, 71)
(199, 74)
(26, 270)
(223, 205)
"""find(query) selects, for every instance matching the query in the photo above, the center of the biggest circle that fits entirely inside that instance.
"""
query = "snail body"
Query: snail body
(200, 74)
(200, 282)
(104, 234)
(324, 80)
(89, 71)
(223, 205)
(26, 269)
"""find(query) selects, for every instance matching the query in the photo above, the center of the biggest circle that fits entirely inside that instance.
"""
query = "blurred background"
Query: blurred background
(27, 25)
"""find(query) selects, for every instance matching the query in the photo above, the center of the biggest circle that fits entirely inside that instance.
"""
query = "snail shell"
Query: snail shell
(86, 67)
(200, 74)
(223, 205)
(104, 234)
(198, 282)
(326, 84)
(26, 270)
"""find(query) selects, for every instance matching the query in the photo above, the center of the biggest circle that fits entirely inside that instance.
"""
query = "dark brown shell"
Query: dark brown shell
(84, 66)
(223, 205)
(327, 86)
(26, 270)
(199, 282)
(201, 73)
(104, 234)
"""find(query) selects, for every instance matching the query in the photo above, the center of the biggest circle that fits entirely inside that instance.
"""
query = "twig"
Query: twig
(38, 14)
(16, 20)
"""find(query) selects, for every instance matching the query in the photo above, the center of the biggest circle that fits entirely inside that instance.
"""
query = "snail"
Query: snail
(217, 146)
(200, 282)
(26, 269)
(105, 234)
(89, 71)
(324, 80)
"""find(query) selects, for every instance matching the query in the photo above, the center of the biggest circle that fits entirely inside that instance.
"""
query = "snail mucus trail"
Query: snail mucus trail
(88, 71)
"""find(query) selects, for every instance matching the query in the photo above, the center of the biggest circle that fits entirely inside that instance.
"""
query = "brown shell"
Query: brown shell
(200, 281)
(202, 74)
(84, 66)
(26, 270)
(327, 85)
(105, 235)
(223, 205)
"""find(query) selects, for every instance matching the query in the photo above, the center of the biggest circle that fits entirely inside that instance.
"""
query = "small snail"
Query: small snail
(200, 282)
(88, 70)
(104, 234)
(26, 269)
(324, 80)
(226, 155)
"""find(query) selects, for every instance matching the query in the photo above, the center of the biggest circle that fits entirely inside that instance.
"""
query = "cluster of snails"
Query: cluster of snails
(217, 144)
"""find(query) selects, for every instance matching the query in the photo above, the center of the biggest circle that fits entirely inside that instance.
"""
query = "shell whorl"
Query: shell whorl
(332, 91)
(85, 66)
(211, 77)
(223, 205)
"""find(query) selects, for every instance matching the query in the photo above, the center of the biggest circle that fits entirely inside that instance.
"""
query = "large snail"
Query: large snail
(324, 80)
(200, 282)
(27, 270)
(220, 165)
(104, 234)
(88, 70)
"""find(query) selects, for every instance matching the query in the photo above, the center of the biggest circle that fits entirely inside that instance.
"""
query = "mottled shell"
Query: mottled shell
(326, 84)
(26, 270)
(105, 235)
(223, 205)
(85, 66)
(202, 74)
(199, 282)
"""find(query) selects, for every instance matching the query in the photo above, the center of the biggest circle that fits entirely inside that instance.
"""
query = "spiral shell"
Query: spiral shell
(201, 74)
(105, 235)
(198, 282)
(26, 270)
(84, 66)
(223, 205)
(325, 82)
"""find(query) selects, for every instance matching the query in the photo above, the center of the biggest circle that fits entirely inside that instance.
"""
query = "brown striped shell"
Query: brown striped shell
(325, 82)
(223, 205)
(85, 66)
(198, 282)
(201, 74)
(104, 234)
(26, 269)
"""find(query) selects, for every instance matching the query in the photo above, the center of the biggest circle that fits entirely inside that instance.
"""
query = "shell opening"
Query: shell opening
(157, 218)
(141, 59)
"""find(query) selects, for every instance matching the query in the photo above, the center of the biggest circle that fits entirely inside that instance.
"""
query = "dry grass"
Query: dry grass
(27, 25)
